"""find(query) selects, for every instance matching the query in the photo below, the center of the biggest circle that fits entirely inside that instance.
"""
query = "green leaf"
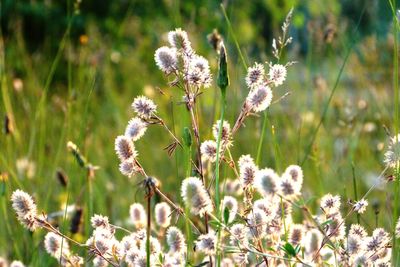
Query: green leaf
(289, 249)
(226, 215)
(187, 137)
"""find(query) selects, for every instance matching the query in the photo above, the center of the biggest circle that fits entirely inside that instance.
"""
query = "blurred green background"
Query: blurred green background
(70, 70)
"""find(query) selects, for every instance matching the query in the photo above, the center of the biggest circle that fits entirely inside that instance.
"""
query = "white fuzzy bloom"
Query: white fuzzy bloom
(99, 221)
(268, 206)
(208, 150)
(226, 135)
(330, 204)
(255, 75)
(260, 98)
(312, 241)
(379, 239)
(296, 173)
(230, 203)
(128, 167)
(245, 159)
(360, 206)
(296, 234)
(25, 208)
(247, 173)
(266, 182)
(353, 244)
(144, 107)
(166, 59)
(52, 244)
(100, 262)
(155, 246)
(175, 240)
(277, 74)
(199, 72)
(239, 235)
(287, 187)
(125, 148)
(17, 264)
(135, 129)
(163, 214)
(392, 155)
(207, 243)
(336, 229)
(179, 40)
(195, 196)
(257, 222)
(232, 187)
(138, 215)
(357, 231)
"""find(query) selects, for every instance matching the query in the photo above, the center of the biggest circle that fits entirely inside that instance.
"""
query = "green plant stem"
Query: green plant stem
(355, 188)
(217, 164)
(148, 231)
(260, 143)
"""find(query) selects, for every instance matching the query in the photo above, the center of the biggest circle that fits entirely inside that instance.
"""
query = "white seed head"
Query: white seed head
(144, 107)
(239, 235)
(296, 173)
(125, 148)
(255, 75)
(247, 173)
(353, 245)
(195, 196)
(208, 150)
(358, 231)
(175, 240)
(226, 135)
(245, 159)
(232, 187)
(287, 187)
(392, 155)
(25, 208)
(128, 167)
(260, 98)
(296, 234)
(155, 246)
(100, 262)
(330, 204)
(207, 243)
(136, 129)
(138, 215)
(266, 182)
(230, 203)
(179, 40)
(17, 264)
(99, 221)
(166, 59)
(277, 74)
(268, 206)
(336, 229)
(52, 244)
(257, 222)
(199, 72)
(163, 214)
(360, 206)
(312, 241)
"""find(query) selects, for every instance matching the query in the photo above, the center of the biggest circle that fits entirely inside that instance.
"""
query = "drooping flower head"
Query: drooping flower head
(392, 155)
(125, 148)
(260, 98)
(175, 240)
(166, 59)
(138, 215)
(277, 74)
(144, 107)
(163, 214)
(135, 129)
(255, 75)
(195, 196)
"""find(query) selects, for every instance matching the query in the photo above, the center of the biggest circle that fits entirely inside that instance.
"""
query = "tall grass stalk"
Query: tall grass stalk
(396, 126)
(327, 104)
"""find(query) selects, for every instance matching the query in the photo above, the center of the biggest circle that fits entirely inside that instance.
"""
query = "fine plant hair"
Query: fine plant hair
(252, 224)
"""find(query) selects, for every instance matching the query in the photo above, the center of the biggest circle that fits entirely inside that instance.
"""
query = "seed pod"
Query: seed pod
(76, 220)
(62, 177)
(223, 77)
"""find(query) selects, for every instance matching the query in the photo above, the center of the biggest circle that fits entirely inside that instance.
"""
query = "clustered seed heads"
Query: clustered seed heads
(255, 225)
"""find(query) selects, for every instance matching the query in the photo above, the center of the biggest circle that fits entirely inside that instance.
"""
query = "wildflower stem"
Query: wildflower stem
(148, 230)
(355, 188)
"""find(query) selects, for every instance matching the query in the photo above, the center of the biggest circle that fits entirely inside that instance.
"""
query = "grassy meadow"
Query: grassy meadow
(70, 70)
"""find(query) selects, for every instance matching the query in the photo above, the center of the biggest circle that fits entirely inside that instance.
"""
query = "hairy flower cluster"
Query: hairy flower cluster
(180, 59)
